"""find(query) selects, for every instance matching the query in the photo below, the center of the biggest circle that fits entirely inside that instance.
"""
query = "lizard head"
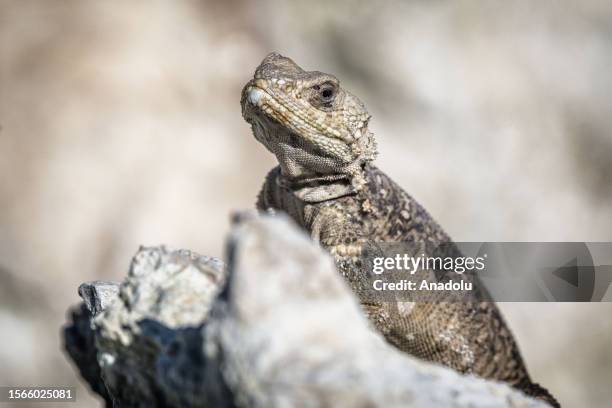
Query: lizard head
(316, 129)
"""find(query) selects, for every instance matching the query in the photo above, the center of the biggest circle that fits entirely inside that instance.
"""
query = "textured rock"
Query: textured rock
(145, 336)
(80, 343)
(98, 295)
(281, 330)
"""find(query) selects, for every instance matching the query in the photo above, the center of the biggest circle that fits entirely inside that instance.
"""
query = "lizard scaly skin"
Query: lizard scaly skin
(327, 183)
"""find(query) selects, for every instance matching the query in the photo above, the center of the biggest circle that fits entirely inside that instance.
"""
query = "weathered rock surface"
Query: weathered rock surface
(144, 337)
(280, 329)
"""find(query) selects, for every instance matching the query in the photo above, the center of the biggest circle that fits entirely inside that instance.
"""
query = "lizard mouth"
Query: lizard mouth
(257, 100)
(278, 125)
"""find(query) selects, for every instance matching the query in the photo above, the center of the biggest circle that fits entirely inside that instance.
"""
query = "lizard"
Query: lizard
(327, 183)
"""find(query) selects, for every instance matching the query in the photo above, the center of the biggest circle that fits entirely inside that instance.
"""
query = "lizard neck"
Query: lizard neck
(320, 188)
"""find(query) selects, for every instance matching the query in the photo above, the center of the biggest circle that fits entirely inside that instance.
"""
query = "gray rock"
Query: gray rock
(98, 295)
(282, 329)
(145, 336)
(80, 344)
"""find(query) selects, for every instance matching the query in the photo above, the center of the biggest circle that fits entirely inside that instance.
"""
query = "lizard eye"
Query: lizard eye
(325, 94)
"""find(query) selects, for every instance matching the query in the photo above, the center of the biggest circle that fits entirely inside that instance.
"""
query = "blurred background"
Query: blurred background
(121, 126)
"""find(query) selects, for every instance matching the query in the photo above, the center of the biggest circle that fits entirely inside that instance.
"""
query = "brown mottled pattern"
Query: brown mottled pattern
(325, 181)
